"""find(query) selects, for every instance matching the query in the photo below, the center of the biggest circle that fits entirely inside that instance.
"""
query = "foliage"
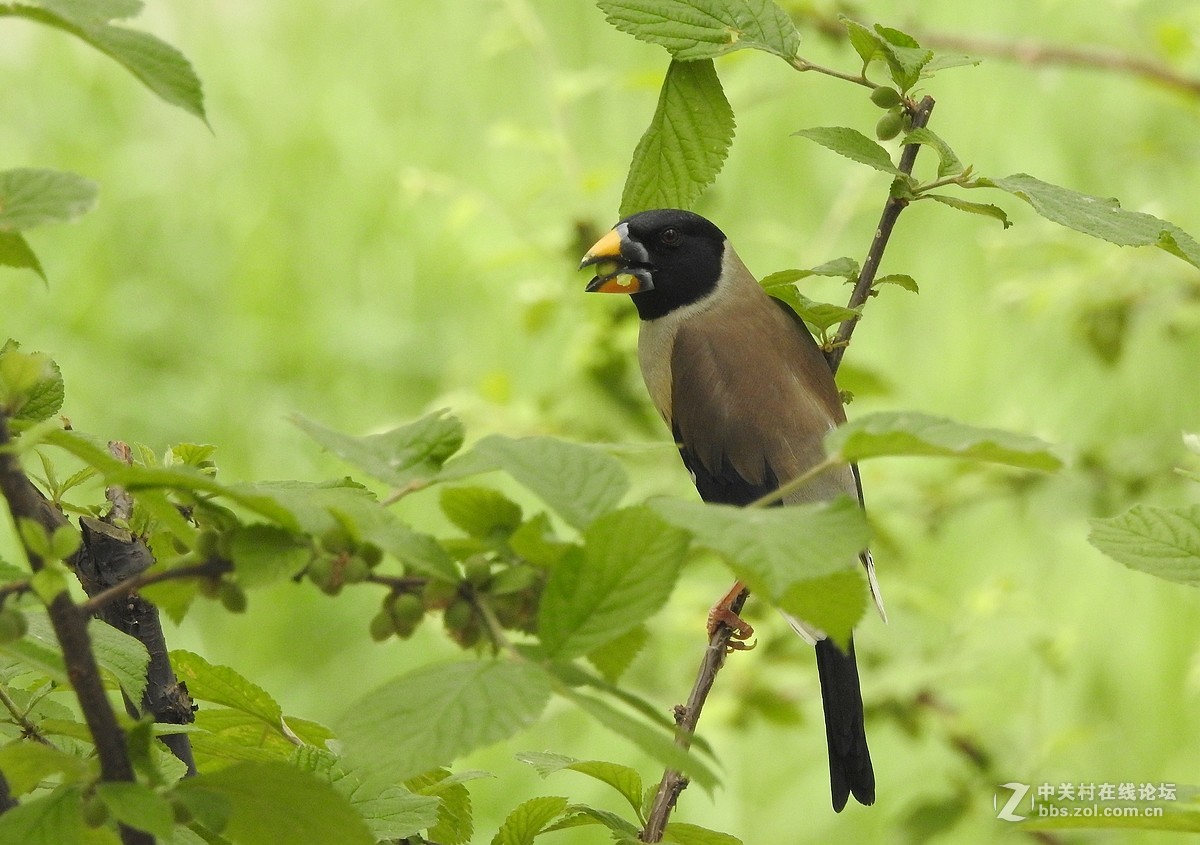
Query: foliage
(546, 587)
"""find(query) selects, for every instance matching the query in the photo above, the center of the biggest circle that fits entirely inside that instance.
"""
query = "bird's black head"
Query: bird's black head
(664, 259)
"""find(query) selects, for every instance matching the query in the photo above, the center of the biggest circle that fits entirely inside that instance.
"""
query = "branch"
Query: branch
(70, 628)
(686, 718)
(887, 221)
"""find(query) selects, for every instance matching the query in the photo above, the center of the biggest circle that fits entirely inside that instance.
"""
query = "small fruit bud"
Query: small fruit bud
(371, 553)
(233, 597)
(438, 594)
(458, 615)
(406, 608)
(889, 126)
(478, 571)
(382, 626)
(13, 625)
(337, 540)
(886, 97)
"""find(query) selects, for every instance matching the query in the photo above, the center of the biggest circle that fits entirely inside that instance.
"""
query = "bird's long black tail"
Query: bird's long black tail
(849, 758)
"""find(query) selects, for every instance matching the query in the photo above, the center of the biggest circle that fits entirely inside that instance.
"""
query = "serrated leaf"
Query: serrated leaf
(1164, 542)
(87, 12)
(904, 56)
(901, 279)
(773, 549)
(948, 163)
(866, 43)
(613, 657)
(581, 815)
(528, 819)
(853, 145)
(138, 806)
(25, 764)
(156, 64)
(685, 145)
(277, 804)
(1096, 216)
(33, 196)
(264, 554)
(690, 834)
(222, 685)
(625, 573)
(16, 252)
(834, 603)
(455, 822)
(704, 29)
(536, 542)
(579, 482)
(434, 714)
(481, 512)
(819, 315)
(410, 454)
(657, 744)
(624, 779)
(54, 819)
(983, 209)
(31, 384)
(908, 433)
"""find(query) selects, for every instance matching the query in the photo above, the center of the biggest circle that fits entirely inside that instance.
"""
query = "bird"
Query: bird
(748, 396)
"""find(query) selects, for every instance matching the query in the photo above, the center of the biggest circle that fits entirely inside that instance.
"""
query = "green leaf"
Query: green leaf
(31, 384)
(222, 685)
(901, 279)
(138, 806)
(1098, 217)
(853, 145)
(274, 803)
(624, 779)
(529, 819)
(690, 834)
(948, 163)
(658, 745)
(984, 209)
(904, 56)
(454, 823)
(819, 315)
(907, 433)
(866, 43)
(25, 764)
(579, 482)
(1164, 542)
(773, 549)
(16, 252)
(156, 64)
(481, 512)
(613, 657)
(625, 573)
(536, 542)
(88, 12)
(264, 554)
(705, 29)
(833, 603)
(54, 819)
(32, 196)
(410, 455)
(684, 147)
(434, 714)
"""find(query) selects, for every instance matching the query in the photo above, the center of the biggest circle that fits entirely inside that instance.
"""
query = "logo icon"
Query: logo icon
(1006, 813)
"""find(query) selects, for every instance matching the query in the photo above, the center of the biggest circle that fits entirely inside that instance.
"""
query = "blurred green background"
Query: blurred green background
(386, 218)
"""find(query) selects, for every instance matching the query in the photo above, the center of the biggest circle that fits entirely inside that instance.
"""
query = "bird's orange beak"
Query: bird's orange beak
(615, 272)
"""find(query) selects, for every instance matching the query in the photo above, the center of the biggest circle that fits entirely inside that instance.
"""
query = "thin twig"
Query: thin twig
(211, 568)
(887, 221)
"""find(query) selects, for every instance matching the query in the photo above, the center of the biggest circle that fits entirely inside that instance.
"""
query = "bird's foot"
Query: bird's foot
(739, 629)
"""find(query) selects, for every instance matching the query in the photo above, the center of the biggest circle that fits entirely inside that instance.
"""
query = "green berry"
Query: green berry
(371, 553)
(406, 608)
(95, 811)
(458, 615)
(337, 540)
(233, 597)
(438, 594)
(889, 126)
(382, 626)
(355, 570)
(478, 571)
(210, 588)
(886, 97)
(13, 625)
(207, 542)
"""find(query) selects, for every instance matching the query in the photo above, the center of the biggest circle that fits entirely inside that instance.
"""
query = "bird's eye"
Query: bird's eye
(670, 237)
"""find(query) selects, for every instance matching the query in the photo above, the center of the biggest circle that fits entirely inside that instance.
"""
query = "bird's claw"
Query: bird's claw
(739, 629)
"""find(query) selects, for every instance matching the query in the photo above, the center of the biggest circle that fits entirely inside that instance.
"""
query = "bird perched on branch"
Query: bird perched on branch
(749, 397)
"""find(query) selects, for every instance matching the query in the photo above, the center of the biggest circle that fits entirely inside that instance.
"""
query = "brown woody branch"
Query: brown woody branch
(70, 628)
